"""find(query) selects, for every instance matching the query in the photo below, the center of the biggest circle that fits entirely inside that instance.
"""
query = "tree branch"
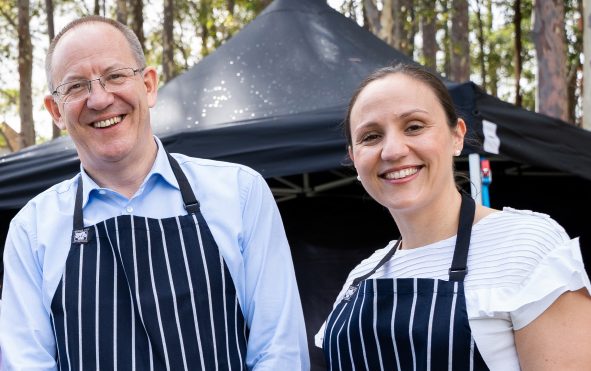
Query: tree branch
(8, 18)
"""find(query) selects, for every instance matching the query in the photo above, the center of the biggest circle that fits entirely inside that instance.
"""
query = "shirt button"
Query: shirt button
(102, 192)
(129, 209)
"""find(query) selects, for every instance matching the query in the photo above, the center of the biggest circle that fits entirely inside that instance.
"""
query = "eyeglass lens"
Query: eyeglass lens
(77, 90)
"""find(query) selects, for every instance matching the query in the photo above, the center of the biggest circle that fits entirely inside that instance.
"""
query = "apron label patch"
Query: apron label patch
(350, 292)
(80, 236)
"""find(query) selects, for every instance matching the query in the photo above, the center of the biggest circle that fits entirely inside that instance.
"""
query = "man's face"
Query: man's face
(109, 129)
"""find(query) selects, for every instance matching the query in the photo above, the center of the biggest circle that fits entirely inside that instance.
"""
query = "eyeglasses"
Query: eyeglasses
(113, 81)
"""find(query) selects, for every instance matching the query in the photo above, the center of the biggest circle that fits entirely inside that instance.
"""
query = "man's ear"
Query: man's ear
(151, 83)
(52, 107)
(350, 151)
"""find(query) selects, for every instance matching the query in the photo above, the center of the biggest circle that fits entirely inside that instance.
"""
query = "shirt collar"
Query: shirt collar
(161, 168)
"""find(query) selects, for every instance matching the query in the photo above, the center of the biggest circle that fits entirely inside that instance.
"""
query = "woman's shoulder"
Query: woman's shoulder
(507, 246)
(525, 228)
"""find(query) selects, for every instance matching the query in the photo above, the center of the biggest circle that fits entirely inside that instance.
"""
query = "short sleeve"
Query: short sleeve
(560, 271)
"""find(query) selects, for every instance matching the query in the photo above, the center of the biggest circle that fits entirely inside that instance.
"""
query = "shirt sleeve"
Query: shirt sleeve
(539, 263)
(26, 336)
(277, 338)
(560, 271)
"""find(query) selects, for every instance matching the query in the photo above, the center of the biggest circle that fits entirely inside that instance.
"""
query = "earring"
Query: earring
(457, 152)
(358, 178)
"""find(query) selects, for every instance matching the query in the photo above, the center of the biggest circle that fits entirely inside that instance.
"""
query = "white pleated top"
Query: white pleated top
(519, 263)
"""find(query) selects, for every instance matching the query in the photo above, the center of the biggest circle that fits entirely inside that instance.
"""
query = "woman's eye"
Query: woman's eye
(369, 137)
(414, 128)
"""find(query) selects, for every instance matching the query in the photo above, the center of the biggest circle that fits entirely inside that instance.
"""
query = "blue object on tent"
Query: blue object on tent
(486, 176)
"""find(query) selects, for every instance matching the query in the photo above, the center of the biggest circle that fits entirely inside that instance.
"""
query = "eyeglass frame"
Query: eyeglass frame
(88, 83)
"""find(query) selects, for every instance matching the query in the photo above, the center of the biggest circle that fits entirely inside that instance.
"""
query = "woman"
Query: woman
(466, 287)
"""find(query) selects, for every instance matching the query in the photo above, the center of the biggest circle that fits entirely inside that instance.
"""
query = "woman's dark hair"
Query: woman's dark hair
(416, 72)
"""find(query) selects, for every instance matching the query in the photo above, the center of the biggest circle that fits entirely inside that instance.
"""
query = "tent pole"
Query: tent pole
(475, 180)
(486, 178)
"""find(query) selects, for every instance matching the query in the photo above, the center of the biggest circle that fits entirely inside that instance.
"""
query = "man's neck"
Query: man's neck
(126, 176)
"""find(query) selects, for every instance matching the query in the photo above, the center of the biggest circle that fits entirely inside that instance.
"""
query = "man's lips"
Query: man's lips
(400, 174)
(108, 122)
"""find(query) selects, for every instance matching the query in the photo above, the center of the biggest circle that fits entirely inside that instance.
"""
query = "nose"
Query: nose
(98, 98)
(394, 146)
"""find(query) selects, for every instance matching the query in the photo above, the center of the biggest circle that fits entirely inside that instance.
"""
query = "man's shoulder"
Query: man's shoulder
(51, 198)
(214, 166)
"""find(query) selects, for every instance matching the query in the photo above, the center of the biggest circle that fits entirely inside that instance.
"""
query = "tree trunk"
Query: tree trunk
(587, 65)
(122, 11)
(97, 7)
(518, 59)
(204, 11)
(11, 137)
(55, 132)
(168, 41)
(574, 66)
(25, 70)
(446, 38)
(429, 30)
(493, 79)
(548, 35)
(481, 53)
(50, 25)
(372, 16)
(230, 5)
(460, 45)
(387, 21)
(137, 20)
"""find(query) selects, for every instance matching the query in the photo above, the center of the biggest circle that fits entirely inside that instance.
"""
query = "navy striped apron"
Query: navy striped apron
(147, 294)
(406, 323)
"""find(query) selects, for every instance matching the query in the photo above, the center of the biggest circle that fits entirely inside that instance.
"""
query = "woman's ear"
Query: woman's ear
(459, 134)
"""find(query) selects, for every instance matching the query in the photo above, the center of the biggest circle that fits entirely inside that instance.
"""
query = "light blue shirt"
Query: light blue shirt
(244, 220)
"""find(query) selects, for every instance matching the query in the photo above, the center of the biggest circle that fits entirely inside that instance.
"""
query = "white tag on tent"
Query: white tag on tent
(491, 140)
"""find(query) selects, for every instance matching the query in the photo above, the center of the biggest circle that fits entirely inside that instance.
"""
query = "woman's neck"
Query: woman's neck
(435, 222)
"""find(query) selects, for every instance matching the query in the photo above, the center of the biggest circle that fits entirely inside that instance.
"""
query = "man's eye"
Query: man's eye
(115, 77)
(74, 87)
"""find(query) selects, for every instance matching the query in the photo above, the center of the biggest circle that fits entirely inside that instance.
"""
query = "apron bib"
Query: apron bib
(406, 323)
(140, 293)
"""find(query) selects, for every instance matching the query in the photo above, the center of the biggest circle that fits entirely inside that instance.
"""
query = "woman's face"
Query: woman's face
(402, 146)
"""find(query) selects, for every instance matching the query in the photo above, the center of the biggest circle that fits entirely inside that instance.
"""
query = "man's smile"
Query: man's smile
(108, 122)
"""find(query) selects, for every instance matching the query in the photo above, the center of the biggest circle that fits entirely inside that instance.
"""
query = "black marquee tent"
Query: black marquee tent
(273, 96)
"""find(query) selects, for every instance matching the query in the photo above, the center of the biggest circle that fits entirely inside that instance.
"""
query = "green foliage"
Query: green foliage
(199, 28)
(499, 51)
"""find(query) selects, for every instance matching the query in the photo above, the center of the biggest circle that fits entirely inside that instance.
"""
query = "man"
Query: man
(143, 260)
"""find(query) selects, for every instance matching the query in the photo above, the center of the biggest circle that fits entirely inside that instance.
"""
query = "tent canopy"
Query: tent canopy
(273, 96)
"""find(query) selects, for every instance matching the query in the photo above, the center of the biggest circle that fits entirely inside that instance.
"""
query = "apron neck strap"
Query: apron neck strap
(189, 199)
(458, 269)
(386, 257)
(78, 218)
